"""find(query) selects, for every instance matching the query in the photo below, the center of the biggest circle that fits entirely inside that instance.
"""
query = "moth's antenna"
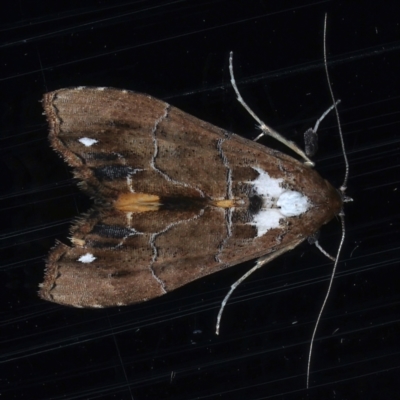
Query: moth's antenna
(346, 175)
(341, 214)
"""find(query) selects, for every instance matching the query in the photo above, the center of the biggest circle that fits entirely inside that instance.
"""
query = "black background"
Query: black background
(178, 51)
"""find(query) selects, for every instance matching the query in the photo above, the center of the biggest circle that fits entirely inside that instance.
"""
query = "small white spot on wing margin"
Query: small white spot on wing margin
(87, 141)
(87, 258)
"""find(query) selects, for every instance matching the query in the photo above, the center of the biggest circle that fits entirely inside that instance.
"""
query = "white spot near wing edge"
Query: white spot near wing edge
(87, 258)
(87, 141)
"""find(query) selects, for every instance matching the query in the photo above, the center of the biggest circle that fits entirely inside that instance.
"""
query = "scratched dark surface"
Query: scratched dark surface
(178, 51)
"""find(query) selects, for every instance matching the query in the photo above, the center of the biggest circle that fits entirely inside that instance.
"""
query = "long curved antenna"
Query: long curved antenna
(345, 199)
(346, 175)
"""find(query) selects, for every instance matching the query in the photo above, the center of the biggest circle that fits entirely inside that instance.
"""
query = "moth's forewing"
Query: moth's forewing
(177, 194)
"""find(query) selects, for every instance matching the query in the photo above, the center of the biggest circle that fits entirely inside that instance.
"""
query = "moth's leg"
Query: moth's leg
(266, 130)
(260, 263)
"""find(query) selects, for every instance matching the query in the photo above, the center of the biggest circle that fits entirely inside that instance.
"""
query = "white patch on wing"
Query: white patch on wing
(87, 141)
(268, 188)
(292, 203)
(278, 202)
(266, 220)
(87, 258)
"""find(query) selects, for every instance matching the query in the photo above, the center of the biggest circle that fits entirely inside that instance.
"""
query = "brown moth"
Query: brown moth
(177, 198)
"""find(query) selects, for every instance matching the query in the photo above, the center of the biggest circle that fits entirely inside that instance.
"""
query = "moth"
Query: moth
(176, 198)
